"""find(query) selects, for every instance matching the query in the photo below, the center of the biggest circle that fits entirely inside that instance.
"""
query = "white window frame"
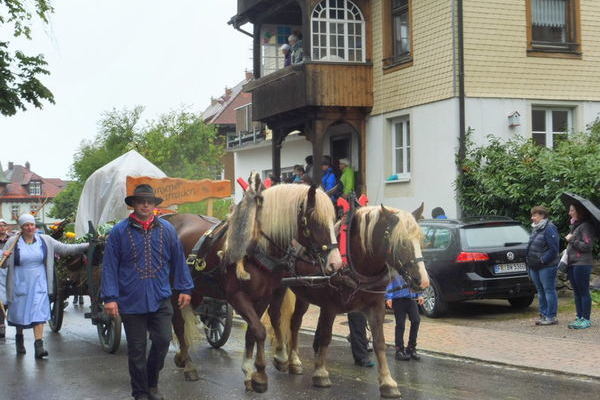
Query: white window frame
(550, 132)
(15, 211)
(35, 188)
(345, 22)
(406, 149)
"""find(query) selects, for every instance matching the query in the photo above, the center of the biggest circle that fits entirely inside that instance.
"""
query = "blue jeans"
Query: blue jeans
(545, 283)
(579, 275)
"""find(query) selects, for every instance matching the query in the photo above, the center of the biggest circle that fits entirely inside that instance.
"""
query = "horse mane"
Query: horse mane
(406, 230)
(280, 209)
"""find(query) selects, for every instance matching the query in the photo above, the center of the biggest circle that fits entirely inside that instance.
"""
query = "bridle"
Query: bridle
(314, 251)
(397, 264)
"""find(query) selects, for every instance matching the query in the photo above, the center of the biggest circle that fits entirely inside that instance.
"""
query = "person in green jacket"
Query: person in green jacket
(347, 178)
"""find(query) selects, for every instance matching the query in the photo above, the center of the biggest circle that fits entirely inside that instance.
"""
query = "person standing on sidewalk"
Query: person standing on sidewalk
(542, 262)
(142, 254)
(579, 264)
(359, 343)
(404, 302)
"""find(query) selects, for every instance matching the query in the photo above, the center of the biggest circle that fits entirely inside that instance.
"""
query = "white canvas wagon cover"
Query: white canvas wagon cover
(102, 198)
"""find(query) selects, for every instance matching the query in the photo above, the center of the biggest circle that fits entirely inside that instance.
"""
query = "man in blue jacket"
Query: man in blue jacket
(329, 181)
(143, 255)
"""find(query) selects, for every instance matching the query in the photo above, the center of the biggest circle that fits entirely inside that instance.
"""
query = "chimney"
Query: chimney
(11, 165)
(249, 76)
(213, 101)
(228, 92)
(27, 166)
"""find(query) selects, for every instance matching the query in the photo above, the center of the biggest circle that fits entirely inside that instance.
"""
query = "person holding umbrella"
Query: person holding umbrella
(582, 233)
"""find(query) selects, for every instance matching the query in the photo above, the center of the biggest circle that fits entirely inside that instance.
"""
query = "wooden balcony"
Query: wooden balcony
(311, 84)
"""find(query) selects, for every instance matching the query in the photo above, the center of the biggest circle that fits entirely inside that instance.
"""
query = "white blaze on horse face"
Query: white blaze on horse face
(334, 258)
(421, 264)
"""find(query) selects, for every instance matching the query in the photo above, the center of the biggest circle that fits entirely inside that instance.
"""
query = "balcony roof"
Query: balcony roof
(269, 11)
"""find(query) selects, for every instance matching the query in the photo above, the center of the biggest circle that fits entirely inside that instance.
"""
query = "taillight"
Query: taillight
(471, 257)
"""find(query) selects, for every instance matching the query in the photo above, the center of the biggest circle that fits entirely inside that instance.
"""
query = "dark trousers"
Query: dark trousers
(579, 275)
(144, 371)
(403, 307)
(358, 336)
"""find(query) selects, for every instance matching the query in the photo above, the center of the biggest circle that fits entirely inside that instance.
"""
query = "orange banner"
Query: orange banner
(181, 191)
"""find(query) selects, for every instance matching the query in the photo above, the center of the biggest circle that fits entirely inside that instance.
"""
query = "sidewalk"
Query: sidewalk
(535, 351)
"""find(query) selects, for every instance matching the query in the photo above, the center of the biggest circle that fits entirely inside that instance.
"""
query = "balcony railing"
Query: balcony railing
(244, 139)
(311, 84)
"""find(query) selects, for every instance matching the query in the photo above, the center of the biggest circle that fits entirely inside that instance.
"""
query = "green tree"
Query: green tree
(183, 146)
(509, 177)
(179, 143)
(19, 72)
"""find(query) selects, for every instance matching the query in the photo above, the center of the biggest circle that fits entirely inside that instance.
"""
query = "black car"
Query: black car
(478, 258)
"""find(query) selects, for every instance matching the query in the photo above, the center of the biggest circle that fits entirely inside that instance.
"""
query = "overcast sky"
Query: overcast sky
(106, 54)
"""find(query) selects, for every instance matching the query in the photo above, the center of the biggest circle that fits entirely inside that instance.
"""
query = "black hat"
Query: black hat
(143, 191)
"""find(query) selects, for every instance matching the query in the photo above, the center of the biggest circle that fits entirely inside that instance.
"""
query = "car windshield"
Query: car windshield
(495, 236)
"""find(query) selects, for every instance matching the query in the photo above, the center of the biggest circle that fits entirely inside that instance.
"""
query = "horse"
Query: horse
(286, 214)
(380, 238)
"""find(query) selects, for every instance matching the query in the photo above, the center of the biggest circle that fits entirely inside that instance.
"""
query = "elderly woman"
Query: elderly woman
(579, 264)
(542, 260)
(30, 280)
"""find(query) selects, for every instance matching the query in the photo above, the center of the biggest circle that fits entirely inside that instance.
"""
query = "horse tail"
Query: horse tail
(191, 332)
(287, 308)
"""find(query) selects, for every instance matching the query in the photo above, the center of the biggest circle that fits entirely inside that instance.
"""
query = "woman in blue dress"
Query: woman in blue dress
(30, 280)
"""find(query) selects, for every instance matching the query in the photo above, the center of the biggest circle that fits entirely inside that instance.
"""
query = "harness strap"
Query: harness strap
(196, 258)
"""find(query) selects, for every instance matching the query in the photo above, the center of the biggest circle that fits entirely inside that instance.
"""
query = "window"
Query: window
(400, 31)
(553, 26)
(550, 125)
(401, 148)
(35, 188)
(338, 32)
(436, 238)
(286, 173)
(15, 211)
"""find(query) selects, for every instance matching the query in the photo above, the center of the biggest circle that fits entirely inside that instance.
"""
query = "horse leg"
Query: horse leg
(320, 376)
(182, 357)
(255, 332)
(299, 311)
(388, 388)
(280, 358)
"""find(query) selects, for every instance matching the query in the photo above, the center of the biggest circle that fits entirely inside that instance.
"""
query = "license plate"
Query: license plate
(509, 268)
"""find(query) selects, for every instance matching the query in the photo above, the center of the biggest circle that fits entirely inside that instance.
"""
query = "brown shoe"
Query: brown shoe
(154, 394)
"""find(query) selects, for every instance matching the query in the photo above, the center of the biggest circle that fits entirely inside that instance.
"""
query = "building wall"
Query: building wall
(6, 212)
(496, 61)
(430, 77)
(434, 140)
(259, 158)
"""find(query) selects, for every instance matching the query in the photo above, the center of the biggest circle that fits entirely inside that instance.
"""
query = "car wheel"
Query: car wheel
(521, 302)
(433, 305)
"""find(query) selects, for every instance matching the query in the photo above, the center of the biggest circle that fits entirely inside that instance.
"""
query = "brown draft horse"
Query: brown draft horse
(380, 238)
(287, 213)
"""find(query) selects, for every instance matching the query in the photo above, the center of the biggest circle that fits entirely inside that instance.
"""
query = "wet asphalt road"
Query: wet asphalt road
(78, 369)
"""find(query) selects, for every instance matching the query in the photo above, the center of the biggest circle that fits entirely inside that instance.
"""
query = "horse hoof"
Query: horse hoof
(248, 385)
(281, 366)
(321, 381)
(179, 361)
(191, 376)
(259, 387)
(296, 370)
(389, 392)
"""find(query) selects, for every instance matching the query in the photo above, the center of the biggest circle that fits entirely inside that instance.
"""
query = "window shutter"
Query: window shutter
(549, 13)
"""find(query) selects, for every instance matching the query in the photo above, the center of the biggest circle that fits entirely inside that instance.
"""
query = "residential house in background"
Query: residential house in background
(222, 114)
(394, 85)
(22, 190)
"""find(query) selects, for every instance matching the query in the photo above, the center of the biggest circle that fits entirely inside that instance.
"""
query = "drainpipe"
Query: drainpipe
(461, 90)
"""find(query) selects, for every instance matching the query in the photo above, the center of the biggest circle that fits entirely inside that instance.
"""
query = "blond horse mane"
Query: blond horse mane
(280, 210)
(403, 233)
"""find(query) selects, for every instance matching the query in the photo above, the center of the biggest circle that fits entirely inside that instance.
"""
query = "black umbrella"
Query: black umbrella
(571, 198)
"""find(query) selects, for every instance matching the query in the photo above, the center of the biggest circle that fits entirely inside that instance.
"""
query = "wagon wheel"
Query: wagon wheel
(217, 323)
(56, 312)
(109, 333)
